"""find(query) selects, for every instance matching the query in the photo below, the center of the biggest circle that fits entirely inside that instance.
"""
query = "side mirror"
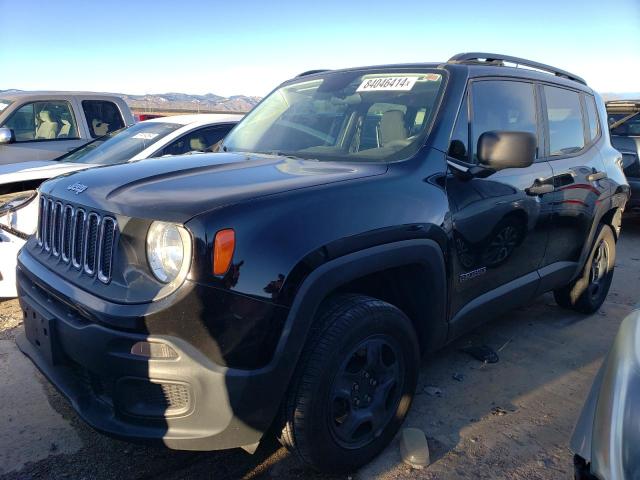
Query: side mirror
(500, 150)
(6, 135)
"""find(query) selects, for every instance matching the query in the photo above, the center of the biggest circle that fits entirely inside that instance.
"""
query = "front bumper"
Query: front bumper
(186, 400)
(10, 245)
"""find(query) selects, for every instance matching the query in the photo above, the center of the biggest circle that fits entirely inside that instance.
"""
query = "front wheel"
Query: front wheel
(353, 386)
(587, 293)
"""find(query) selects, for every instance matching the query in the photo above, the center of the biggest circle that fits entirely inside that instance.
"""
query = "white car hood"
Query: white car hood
(42, 169)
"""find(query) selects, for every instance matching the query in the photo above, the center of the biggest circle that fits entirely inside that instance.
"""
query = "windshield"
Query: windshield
(629, 128)
(4, 104)
(121, 145)
(347, 116)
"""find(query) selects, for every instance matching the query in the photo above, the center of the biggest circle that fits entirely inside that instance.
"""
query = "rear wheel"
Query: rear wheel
(587, 293)
(353, 385)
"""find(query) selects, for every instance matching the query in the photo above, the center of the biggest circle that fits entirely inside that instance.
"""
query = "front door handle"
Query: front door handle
(539, 189)
(595, 176)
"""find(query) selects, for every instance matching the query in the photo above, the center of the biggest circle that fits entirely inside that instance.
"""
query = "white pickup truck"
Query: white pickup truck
(45, 125)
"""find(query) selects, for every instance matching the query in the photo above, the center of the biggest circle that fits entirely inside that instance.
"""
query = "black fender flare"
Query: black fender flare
(334, 273)
(613, 203)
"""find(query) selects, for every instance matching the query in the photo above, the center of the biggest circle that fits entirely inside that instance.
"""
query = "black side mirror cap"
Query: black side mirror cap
(499, 150)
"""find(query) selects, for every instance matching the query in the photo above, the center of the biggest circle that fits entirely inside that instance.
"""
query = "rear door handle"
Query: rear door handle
(595, 176)
(540, 189)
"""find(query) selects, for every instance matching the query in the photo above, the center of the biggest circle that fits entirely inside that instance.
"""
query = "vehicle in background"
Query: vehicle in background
(44, 125)
(291, 283)
(606, 439)
(624, 125)
(175, 135)
(141, 117)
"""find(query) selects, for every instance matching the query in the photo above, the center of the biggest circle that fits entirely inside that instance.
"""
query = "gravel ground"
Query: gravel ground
(509, 420)
(10, 319)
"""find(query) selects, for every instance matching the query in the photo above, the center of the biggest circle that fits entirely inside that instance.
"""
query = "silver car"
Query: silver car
(606, 440)
(160, 137)
(45, 125)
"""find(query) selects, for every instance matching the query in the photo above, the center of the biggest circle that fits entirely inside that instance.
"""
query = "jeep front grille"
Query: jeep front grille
(84, 239)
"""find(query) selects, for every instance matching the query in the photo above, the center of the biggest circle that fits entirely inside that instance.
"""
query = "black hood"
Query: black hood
(178, 188)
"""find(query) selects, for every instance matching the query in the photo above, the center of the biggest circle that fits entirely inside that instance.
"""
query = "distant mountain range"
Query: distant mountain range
(620, 96)
(183, 101)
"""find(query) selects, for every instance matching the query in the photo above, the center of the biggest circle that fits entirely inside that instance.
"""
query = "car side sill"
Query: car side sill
(494, 302)
(510, 295)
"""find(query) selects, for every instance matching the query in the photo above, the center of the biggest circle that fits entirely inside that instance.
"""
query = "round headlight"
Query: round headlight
(166, 250)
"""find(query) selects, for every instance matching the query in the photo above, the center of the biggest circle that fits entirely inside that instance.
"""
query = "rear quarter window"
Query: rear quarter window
(592, 116)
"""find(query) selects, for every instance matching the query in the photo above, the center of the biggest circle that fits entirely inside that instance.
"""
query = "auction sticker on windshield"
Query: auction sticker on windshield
(387, 83)
(145, 135)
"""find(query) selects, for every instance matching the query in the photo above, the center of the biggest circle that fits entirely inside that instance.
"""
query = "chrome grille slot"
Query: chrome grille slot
(105, 256)
(56, 231)
(48, 225)
(86, 239)
(67, 225)
(42, 215)
(91, 243)
(77, 240)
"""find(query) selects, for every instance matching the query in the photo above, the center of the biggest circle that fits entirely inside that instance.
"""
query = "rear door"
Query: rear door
(43, 129)
(500, 226)
(577, 173)
(102, 116)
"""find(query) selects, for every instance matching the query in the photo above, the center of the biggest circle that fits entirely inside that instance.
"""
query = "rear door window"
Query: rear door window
(102, 117)
(502, 105)
(201, 140)
(565, 121)
(46, 120)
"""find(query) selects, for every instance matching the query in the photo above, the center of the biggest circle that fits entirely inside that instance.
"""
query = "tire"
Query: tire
(587, 293)
(353, 385)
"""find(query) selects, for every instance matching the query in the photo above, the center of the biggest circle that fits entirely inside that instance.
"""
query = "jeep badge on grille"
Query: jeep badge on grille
(77, 188)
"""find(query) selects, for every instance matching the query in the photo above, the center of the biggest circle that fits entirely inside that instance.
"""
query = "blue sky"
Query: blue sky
(248, 47)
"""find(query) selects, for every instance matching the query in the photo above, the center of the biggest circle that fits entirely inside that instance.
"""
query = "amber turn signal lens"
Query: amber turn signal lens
(223, 247)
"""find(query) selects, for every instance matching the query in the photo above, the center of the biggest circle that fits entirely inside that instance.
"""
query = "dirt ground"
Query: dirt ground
(508, 420)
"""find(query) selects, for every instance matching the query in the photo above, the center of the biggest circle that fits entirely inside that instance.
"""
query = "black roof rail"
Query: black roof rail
(498, 59)
(311, 72)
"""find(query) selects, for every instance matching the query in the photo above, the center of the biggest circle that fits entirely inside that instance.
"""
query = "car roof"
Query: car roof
(198, 118)
(20, 94)
(473, 69)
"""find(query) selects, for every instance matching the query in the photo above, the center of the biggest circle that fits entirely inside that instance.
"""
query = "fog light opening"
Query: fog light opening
(153, 350)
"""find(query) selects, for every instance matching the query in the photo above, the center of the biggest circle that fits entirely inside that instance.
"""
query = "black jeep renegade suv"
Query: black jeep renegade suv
(352, 222)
